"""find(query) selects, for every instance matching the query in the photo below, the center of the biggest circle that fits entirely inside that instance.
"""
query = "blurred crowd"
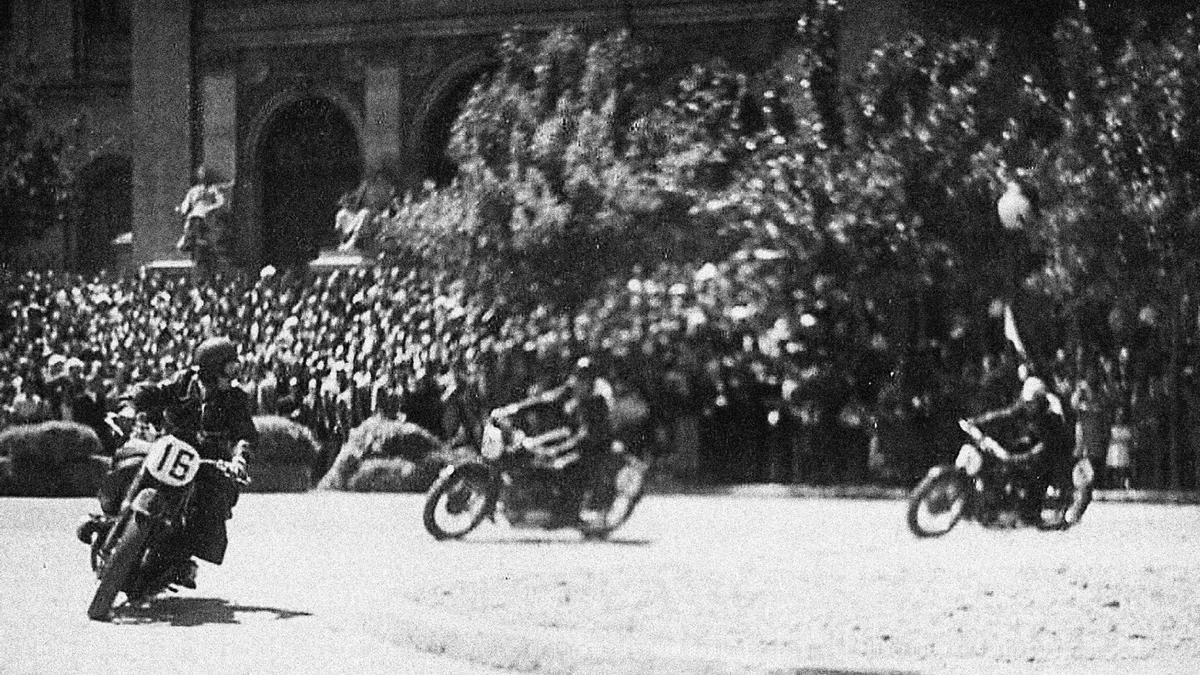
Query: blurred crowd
(700, 380)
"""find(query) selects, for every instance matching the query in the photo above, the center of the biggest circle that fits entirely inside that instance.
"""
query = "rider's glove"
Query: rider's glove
(238, 465)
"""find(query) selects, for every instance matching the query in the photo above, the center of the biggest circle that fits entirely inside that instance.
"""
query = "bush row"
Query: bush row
(383, 455)
(65, 459)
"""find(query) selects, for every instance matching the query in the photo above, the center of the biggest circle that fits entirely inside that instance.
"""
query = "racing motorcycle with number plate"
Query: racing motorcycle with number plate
(529, 491)
(128, 539)
(979, 486)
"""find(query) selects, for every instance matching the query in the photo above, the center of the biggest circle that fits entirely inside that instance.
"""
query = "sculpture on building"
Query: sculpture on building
(361, 208)
(200, 208)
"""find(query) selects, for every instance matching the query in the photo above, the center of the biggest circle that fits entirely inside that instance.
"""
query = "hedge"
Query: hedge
(282, 441)
(387, 455)
(65, 459)
(284, 458)
(7, 486)
(51, 459)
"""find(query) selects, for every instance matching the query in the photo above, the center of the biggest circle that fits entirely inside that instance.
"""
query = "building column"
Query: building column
(220, 125)
(49, 35)
(161, 106)
(381, 122)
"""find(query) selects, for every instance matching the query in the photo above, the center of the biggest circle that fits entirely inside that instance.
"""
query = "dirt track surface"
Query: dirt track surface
(328, 582)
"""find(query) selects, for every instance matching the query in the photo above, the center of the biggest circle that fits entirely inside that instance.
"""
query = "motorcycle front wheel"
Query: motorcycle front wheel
(456, 504)
(937, 503)
(1083, 479)
(125, 553)
(628, 486)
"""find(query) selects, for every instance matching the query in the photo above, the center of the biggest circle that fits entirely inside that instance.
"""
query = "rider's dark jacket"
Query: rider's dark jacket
(590, 413)
(1037, 439)
(213, 421)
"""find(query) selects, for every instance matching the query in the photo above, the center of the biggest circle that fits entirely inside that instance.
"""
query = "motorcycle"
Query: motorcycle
(980, 486)
(510, 479)
(130, 539)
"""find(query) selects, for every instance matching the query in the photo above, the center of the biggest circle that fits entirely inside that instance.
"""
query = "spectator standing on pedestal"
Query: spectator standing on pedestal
(202, 199)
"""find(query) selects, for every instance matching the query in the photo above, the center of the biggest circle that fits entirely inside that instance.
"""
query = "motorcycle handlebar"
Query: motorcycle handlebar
(227, 469)
(982, 440)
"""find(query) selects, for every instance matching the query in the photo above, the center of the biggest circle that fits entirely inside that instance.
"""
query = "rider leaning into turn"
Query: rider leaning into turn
(200, 406)
(1039, 448)
(580, 447)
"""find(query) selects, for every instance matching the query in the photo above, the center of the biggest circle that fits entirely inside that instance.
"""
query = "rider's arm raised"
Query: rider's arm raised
(503, 413)
(994, 415)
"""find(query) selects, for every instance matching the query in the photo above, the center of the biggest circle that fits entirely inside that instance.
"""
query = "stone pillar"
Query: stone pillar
(218, 96)
(49, 36)
(19, 38)
(161, 103)
(381, 124)
(220, 124)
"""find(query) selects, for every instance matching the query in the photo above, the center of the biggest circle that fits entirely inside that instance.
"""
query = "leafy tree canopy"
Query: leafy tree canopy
(34, 175)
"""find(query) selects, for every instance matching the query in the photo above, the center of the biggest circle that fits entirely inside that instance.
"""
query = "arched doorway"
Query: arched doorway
(105, 213)
(435, 120)
(439, 168)
(309, 157)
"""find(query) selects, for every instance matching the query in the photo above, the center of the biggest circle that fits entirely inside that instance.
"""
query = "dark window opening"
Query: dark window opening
(102, 39)
(308, 159)
(104, 219)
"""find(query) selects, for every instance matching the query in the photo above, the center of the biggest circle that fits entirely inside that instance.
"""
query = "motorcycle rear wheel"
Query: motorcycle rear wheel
(127, 551)
(456, 504)
(941, 497)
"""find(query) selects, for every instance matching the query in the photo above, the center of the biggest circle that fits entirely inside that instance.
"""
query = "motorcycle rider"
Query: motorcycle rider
(202, 407)
(1039, 451)
(579, 448)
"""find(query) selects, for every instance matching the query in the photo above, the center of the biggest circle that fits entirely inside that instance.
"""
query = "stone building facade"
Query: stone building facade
(295, 100)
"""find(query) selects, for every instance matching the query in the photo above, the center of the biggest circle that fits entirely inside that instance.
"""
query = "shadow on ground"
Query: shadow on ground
(840, 671)
(524, 541)
(198, 612)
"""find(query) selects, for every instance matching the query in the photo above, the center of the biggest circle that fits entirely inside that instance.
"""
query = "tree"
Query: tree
(1122, 181)
(880, 220)
(546, 201)
(35, 179)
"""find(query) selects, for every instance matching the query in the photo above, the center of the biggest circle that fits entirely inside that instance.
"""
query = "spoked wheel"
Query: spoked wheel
(628, 486)
(456, 504)
(125, 555)
(1083, 479)
(936, 504)
(1070, 508)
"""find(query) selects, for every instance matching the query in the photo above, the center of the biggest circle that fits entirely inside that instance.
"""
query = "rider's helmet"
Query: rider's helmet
(584, 367)
(1035, 394)
(212, 358)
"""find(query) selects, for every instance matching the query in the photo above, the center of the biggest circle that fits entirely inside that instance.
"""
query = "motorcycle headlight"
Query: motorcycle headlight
(493, 442)
(969, 459)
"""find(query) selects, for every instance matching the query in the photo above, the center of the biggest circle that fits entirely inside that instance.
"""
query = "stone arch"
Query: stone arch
(288, 216)
(104, 215)
(437, 110)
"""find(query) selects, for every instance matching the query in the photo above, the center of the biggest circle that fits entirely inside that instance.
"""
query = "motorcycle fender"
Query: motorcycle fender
(147, 503)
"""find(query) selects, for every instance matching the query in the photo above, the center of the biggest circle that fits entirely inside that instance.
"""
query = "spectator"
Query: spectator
(1091, 427)
(1120, 444)
(199, 238)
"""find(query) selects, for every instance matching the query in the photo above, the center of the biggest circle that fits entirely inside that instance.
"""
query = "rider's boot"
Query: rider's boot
(185, 573)
(90, 526)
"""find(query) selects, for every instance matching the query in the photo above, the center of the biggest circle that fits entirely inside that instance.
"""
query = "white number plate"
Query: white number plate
(172, 461)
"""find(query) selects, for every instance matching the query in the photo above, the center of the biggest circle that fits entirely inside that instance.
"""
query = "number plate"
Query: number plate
(172, 461)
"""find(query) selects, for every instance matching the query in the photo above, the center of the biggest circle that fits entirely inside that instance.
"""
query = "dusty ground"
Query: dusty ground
(351, 583)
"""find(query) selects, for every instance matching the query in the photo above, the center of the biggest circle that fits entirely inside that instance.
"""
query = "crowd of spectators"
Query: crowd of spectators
(700, 380)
